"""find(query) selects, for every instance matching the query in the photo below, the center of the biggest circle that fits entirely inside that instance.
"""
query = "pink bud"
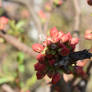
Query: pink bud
(3, 20)
(88, 31)
(74, 41)
(48, 40)
(69, 35)
(65, 38)
(60, 34)
(88, 34)
(53, 32)
(37, 47)
(41, 58)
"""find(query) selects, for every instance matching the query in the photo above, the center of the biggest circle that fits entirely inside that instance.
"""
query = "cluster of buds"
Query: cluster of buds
(3, 22)
(56, 46)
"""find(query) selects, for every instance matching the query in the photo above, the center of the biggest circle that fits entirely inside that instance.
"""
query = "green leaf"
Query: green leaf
(12, 25)
(21, 68)
(3, 80)
(6, 79)
(20, 24)
(20, 57)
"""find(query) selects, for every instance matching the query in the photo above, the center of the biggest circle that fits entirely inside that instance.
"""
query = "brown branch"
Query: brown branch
(77, 21)
(61, 86)
(77, 14)
(0, 3)
(18, 44)
(48, 17)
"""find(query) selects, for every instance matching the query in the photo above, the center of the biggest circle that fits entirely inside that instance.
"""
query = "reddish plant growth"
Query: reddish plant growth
(53, 49)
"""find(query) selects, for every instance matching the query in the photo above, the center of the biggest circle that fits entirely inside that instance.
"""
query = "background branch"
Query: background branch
(18, 44)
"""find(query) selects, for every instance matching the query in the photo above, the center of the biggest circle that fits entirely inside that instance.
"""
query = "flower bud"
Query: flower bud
(60, 34)
(65, 38)
(56, 77)
(52, 62)
(40, 75)
(3, 20)
(41, 58)
(74, 41)
(49, 56)
(88, 34)
(65, 51)
(37, 47)
(39, 67)
(53, 32)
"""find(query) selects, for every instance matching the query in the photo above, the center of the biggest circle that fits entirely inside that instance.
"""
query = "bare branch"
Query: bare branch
(18, 44)
(77, 14)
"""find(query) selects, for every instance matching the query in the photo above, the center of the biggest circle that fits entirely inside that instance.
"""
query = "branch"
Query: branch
(48, 17)
(61, 86)
(77, 14)
(18, 44)
(76, 21)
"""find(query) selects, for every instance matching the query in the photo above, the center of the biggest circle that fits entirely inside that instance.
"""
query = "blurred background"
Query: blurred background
(29, 22)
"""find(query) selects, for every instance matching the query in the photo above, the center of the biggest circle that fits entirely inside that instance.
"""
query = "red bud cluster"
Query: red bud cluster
(3, 22)
(56, 45)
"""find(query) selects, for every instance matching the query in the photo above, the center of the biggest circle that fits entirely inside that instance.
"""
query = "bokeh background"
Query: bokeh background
(29, 22)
